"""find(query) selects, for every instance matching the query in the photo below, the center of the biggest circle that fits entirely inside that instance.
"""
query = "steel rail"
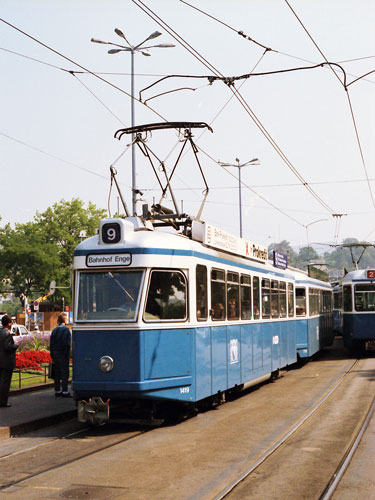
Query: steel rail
(348, 455)
(4, 487)
(230, 487)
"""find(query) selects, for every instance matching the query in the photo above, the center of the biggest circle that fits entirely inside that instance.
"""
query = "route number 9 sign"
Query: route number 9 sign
(111, 232)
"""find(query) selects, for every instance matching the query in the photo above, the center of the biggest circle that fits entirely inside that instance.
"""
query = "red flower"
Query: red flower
(32, 359)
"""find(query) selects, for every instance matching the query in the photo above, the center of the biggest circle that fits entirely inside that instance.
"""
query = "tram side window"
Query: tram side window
(282, 299)
(245, 297)
(233, 295)
(313, 301)
(256, 299)
(337, 300)
(166, 299)
(218, 303)
(275, 305)
(347, 298)
(201, 292)
(329, 300)
(290, 299)
(301, 301)
(364, 297)
(266, 303)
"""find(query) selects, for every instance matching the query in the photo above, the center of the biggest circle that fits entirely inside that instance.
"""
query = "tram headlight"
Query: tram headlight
(106, 364)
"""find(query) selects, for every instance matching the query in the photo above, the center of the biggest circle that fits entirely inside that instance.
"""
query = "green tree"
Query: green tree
(33, 254)
(63, 222)
(26, 260)
(305, 256)
(285, 248)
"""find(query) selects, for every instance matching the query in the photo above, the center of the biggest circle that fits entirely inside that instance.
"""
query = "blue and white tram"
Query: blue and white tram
(358, 289)
(314, 329)
(338, 319)
(170, 317)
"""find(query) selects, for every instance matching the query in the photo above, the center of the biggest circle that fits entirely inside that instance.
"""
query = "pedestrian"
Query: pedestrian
(60, 351)
(7, 359)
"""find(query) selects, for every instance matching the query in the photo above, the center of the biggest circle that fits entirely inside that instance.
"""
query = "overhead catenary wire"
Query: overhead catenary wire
(90, 72)
(249, 38)
(242, 101)
(71, 164)
(78, 65)
(345, 85)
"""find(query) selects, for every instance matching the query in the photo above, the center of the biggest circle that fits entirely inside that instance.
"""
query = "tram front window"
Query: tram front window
(364, 297)
(109, 295)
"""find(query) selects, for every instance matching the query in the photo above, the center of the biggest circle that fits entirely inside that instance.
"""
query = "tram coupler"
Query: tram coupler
(95, 411)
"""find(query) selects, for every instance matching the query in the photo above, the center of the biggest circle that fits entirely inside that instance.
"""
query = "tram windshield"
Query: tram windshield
(109, 295)
(364, 296)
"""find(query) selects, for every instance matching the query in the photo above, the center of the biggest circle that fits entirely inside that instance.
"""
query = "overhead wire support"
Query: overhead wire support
(239, 97)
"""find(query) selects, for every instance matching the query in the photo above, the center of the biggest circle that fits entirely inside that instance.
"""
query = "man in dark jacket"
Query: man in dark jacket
(60, 350)
(7, 359)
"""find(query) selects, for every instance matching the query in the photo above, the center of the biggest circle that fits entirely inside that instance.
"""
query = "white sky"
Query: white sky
(306, 113)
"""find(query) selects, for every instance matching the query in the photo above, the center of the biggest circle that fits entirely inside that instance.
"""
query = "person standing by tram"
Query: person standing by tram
(7, 359)
(60, 351)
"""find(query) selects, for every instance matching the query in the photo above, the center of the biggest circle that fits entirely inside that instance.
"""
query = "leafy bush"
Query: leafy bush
(32, 360)
(34, 342)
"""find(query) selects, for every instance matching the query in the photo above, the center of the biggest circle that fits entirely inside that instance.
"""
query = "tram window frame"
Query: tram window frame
(201, 292)
(347, 296)
(363, 305)
(266, 298)
(156, 318)
(233, 296)
(98, 303)
(256, 297)
(290, 300)
(275, 299)
(300, 304)
(218, 293)
(337, 299)
(283, 299)
(314, 302)
(329, 296)
(246, 303)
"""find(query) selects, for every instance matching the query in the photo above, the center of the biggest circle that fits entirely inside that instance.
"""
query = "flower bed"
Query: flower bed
(33, 342)
(32, 360)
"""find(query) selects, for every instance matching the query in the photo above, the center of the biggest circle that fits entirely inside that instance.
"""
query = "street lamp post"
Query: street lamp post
(307, 231)
(239, 165)
(133, 49)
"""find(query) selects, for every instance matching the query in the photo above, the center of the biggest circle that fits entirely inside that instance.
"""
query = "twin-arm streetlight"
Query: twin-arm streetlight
(144, 51)
(239, 165)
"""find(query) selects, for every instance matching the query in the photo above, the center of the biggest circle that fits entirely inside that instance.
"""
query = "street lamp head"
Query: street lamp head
(153, 35)
(95, 40)
(120, 33)
(116, 51)
(144, 53)
(164, 45)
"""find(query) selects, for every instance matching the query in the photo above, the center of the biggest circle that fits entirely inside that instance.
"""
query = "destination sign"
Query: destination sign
(371, 273)
(217, 238)
(113, 259)
(280, 260)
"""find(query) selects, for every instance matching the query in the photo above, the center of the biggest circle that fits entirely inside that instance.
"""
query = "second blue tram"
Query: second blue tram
(163, 316)
(358, 290)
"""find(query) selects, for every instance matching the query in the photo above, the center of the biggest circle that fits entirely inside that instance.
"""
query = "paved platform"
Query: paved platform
(34, 409)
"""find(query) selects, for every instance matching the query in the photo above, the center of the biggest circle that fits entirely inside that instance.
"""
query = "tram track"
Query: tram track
(10, 460)
(343, 465)
(187, 449)
(225, 492)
